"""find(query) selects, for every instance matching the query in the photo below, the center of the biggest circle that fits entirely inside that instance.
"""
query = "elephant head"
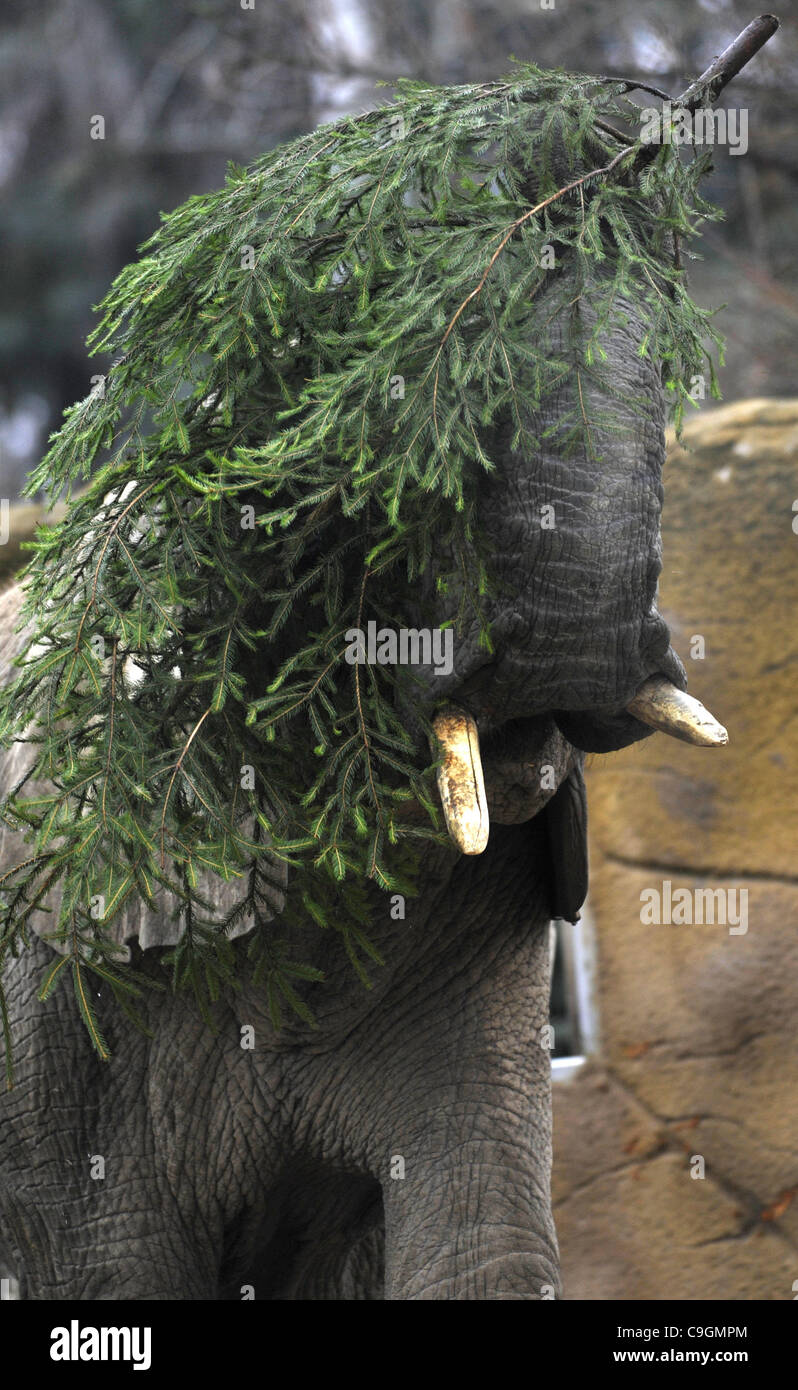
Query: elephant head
(581, 659)
(569, 527)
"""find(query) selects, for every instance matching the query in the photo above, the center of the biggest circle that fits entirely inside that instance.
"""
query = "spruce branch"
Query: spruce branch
(256, 491)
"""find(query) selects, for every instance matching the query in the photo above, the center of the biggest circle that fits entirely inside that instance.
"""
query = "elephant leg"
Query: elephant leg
(103, 1195)
(121, 1251)
(465, 1126)
(471, 1217)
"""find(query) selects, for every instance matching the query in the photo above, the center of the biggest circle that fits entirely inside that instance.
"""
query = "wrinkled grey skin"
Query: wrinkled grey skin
(280, 1166)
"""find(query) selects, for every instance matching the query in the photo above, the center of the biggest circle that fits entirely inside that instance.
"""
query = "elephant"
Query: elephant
(401, 1147)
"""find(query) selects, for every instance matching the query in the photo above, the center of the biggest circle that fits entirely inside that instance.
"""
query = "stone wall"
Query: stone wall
(697, 1056)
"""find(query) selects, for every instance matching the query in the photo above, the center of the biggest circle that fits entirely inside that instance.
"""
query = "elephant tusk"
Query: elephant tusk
(461, 784)
(674, 712)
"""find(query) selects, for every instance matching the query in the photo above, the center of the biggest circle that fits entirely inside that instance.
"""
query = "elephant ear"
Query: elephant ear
(565, 818)
(153, 924)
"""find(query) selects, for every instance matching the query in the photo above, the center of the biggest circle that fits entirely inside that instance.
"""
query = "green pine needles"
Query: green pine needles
(308, 362)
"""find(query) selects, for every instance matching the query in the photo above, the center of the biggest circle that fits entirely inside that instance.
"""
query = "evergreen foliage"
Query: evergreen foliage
(257, 491)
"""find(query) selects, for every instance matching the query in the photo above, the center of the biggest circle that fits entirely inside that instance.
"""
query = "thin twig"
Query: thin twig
(177, 768)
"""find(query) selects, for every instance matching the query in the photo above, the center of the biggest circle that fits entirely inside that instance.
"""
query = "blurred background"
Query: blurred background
(185, 87)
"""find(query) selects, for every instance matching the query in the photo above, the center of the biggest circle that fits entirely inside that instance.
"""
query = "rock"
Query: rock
(697, 1021)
